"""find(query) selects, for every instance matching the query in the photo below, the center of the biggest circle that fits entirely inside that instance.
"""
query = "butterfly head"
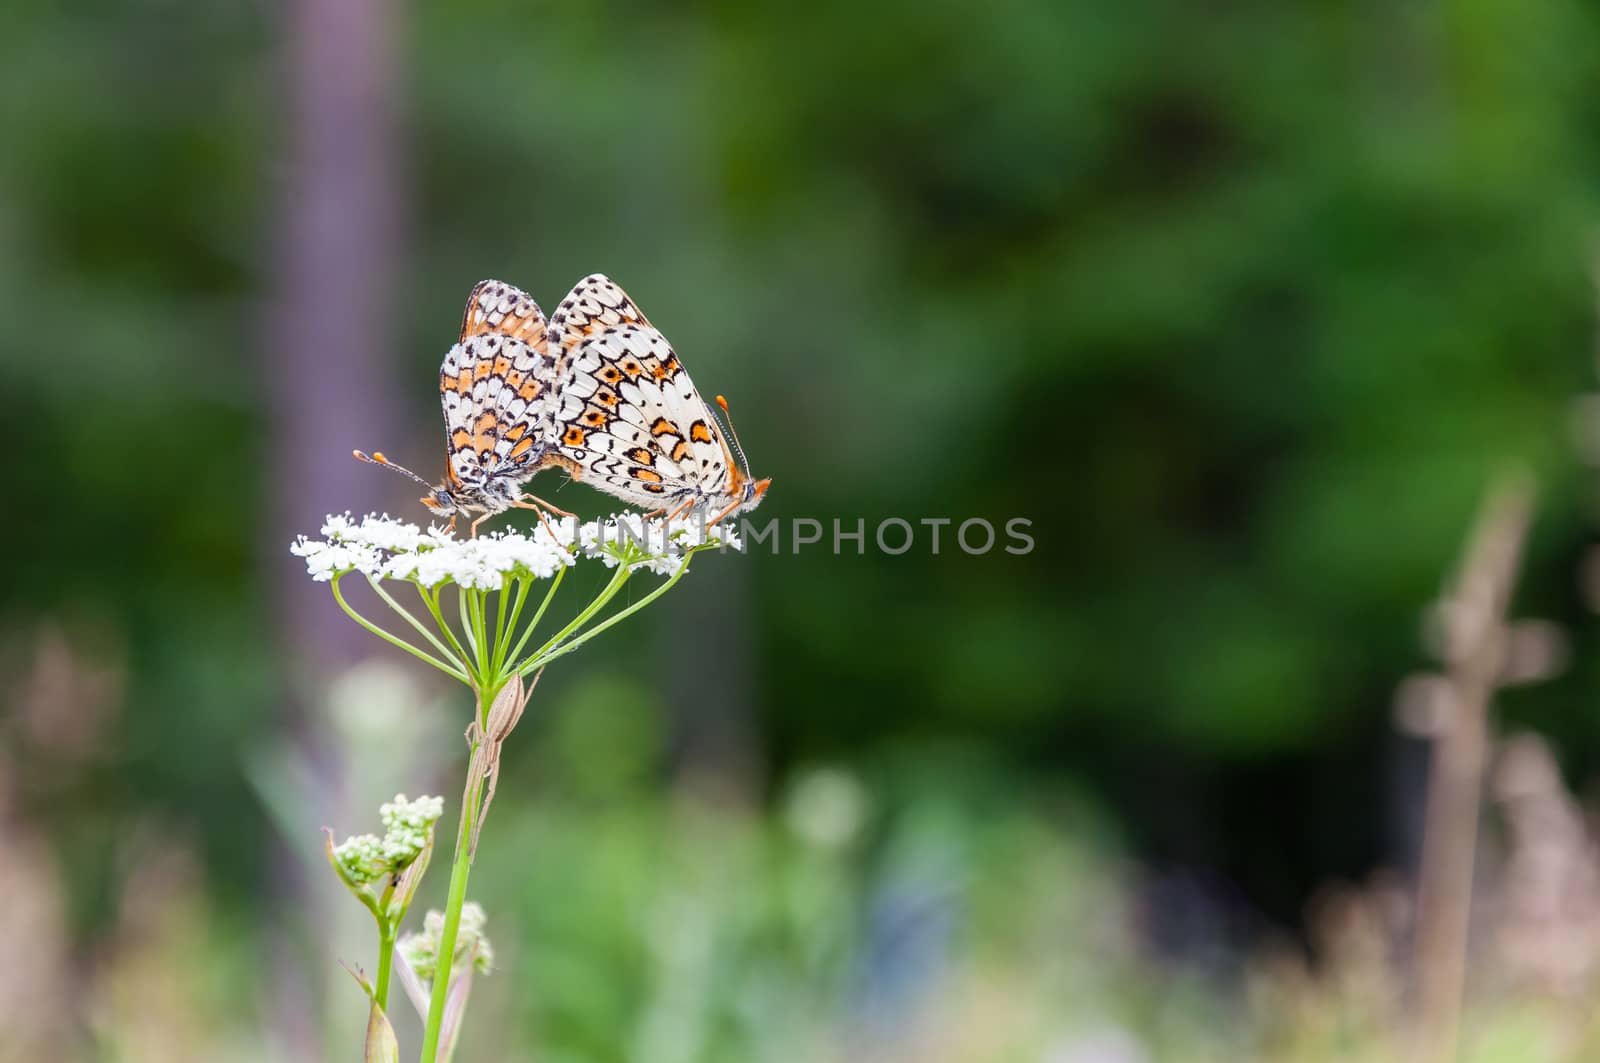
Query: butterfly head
(440, 502)
(753, 490)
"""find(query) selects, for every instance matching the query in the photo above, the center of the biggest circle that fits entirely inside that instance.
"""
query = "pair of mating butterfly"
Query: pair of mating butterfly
(596, 390)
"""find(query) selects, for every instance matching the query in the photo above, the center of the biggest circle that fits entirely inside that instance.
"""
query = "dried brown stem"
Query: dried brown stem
(487, 741)
(1474, 632)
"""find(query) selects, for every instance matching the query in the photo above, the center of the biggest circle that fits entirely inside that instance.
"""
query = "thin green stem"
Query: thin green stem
(615, 618)
(476, 600)
(413, 621)
(432, 602)
(468, 628)
(452, 916)
(385, 962)
(395, 640)
(388, 923)
(464, 615)
(498, 648)
(509, 627)
(561, 574)
(578, 621)
(533, 625)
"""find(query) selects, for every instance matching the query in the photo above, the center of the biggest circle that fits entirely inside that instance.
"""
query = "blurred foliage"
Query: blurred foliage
(910, 906)
(1241, 304)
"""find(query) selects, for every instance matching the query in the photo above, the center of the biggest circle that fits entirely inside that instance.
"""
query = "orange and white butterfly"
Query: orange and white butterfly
(628, 420)
(496, 387)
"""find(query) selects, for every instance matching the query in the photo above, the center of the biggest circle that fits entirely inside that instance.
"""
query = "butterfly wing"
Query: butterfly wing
(595, 305)
(627, 413)
(498, 307)
(495, 384)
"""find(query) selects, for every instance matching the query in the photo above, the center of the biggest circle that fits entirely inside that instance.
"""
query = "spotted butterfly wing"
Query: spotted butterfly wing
(495, 385)
(627, 417)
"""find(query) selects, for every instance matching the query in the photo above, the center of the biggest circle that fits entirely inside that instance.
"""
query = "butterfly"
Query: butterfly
(496, 389)
(627, 419)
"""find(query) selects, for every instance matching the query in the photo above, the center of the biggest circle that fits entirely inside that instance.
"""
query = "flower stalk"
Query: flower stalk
(459, 869)
(384, 874)
(486, 649)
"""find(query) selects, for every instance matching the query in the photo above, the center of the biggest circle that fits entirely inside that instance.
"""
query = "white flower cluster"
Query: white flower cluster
(384, 548)
(657, 545)
(421, 948)
(407, 825)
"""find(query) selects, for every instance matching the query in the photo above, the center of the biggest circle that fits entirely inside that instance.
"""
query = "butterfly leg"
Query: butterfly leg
(477, 522)
(688, 504)
(540, 512)
(724, 513)
(537, 501)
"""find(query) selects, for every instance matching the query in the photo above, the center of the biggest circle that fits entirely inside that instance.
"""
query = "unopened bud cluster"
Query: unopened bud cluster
(407, 825)
(421, 949)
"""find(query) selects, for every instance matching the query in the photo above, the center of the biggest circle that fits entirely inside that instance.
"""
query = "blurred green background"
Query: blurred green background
(1242, 305)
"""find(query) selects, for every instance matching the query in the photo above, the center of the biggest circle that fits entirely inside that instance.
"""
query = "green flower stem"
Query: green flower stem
(523, 584)
(444, 651)
(464, 605)
(385, 962)
(533, 625)
(432, 602)
(475, 601)
(508, 622)
(619, 616)
(388, 927)
(455, 673)
(496, 659)
(581, 619)
(485, 657)
(452, 914)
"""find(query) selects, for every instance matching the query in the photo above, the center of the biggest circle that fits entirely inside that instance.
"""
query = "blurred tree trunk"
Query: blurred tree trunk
(329, 366)
(330, 380)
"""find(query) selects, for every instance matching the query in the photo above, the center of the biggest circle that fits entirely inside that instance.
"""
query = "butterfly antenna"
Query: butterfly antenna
(738, 451)
(377, 458)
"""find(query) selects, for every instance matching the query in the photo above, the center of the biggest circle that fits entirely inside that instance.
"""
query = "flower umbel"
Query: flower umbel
(380, 546)
(481, 651)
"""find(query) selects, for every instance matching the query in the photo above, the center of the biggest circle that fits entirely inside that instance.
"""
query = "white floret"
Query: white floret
(380, 546)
